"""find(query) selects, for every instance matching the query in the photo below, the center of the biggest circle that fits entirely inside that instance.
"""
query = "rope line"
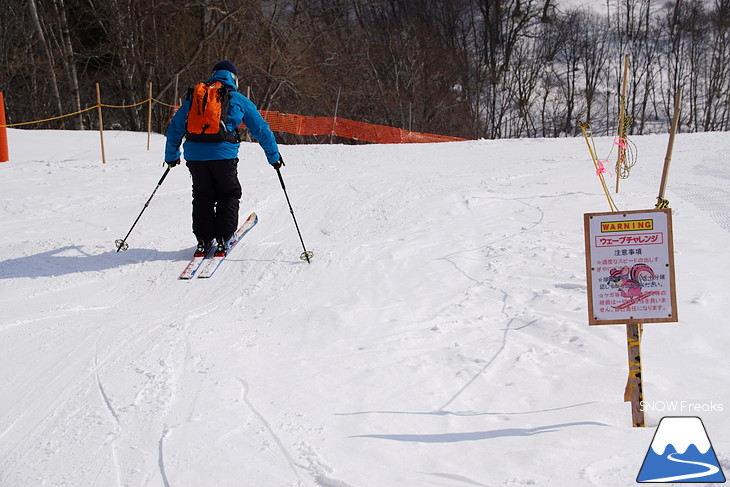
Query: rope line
(103, 105)
(126, 106)
(165, 104)
(304, 125)
(627, 151)
(50, 119)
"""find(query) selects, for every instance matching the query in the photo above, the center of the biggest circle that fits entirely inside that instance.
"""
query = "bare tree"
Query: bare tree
(69, 60)
(47, 51)
(474, 68)
(504, 24)
(594, 55)
(718, 88)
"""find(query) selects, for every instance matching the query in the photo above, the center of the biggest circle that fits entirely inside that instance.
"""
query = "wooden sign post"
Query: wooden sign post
(630, 269)
(634, 392)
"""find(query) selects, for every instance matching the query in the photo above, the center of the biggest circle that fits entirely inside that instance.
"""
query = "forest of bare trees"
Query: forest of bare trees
(467, 68)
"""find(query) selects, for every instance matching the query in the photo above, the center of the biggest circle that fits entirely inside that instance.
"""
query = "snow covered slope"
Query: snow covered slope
(439, 337)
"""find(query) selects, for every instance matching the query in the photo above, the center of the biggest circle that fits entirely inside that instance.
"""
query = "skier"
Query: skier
(213, 165)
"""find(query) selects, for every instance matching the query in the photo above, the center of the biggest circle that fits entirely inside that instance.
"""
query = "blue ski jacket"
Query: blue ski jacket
(241, 109)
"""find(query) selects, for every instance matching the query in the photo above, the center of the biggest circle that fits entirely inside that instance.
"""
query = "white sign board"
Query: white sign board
(630, 267)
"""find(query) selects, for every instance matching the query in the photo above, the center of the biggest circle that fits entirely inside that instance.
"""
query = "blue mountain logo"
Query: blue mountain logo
(681, 452)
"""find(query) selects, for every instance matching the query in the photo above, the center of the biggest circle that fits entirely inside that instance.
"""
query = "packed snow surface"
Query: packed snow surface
(438, 338)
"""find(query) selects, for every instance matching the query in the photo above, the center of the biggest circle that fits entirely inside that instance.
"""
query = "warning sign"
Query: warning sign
(627, 226)
(630, 267)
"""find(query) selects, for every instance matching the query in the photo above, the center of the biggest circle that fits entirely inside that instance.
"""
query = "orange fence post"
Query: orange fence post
(3, 132)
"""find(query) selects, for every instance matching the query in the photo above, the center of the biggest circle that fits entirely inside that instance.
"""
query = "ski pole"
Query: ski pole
(122, 243)
(306, 255)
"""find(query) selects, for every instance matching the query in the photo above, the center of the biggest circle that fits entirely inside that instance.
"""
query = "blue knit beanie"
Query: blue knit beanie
(227, 65)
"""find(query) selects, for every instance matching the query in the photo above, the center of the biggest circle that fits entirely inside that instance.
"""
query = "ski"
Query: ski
(194, 264)
(212, 263)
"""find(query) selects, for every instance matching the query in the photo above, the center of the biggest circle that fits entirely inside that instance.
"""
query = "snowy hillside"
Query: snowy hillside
(439, 337)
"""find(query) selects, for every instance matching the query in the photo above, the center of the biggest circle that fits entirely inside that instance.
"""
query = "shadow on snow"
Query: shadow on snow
(479, 435)
(74, 259)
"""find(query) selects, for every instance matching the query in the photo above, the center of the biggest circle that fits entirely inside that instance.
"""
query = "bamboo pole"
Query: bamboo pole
(622, 123)
(661, 202)
(101, 124)
(583, 128)
(149, 118)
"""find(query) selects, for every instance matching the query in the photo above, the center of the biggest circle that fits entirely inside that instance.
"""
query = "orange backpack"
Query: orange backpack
(208, 113)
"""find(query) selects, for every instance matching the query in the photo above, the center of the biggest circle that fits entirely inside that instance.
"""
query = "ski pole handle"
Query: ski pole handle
(281, 180)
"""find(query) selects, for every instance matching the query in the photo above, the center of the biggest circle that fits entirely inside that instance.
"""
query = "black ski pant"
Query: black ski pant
(216, 198)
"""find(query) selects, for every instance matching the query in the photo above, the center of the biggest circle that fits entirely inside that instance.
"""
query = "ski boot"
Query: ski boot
(222, 248)
(202, 249)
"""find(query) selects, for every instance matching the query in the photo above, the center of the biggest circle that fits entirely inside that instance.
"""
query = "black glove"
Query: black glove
(172, 164)
(278, 163)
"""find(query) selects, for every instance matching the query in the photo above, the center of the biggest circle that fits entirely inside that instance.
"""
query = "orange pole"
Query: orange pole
(4, 157)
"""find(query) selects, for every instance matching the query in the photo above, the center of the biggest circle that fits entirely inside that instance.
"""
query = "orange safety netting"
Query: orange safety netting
(350, 129)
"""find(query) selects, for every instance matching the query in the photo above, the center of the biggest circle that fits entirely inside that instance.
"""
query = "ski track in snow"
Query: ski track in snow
(445, 306)
(715, 202)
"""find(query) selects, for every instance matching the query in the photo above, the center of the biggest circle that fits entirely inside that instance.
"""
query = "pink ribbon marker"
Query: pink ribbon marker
(621, 142)
(602, 169)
